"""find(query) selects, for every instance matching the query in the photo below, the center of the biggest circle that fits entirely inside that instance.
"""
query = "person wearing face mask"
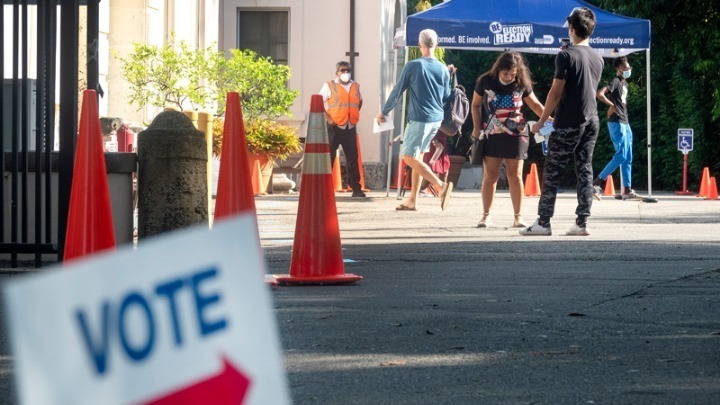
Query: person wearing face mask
(497, 100)
(577, 75)
(619, 127)
(342, 109)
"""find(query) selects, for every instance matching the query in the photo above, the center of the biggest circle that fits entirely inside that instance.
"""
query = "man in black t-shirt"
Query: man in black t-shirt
(577, 75)
(619, 127)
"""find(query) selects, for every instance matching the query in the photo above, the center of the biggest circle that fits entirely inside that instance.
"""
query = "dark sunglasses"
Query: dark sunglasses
(345, 70)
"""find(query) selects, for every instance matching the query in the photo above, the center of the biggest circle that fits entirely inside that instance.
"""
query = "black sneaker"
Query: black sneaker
(358, 194)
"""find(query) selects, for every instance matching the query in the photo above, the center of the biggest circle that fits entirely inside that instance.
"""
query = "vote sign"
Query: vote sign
(685, 140)
(184, 319)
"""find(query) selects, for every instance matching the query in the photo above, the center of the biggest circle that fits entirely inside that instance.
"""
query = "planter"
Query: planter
(266, 169)
(456, 165)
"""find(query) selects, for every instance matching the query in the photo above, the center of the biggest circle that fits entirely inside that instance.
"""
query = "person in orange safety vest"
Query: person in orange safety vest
(342, 106)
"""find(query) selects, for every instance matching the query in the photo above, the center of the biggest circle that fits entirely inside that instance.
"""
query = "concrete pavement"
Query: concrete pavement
(451, 314)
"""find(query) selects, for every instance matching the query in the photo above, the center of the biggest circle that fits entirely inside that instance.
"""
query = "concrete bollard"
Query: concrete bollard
(172, 175)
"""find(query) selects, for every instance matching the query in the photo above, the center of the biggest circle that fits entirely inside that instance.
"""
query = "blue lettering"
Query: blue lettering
(168, 290)
(203, 301)
(136, 354)
(98, 350)
(137, 339)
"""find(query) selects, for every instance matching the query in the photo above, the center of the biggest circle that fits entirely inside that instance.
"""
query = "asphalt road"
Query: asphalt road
(451, 314)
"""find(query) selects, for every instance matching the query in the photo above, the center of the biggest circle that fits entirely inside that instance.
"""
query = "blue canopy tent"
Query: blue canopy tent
(534, 26)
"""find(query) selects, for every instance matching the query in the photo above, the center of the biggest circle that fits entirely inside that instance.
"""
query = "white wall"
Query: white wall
(319, 38)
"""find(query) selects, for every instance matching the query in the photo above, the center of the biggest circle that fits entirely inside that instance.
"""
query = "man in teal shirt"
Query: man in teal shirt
(429, 83)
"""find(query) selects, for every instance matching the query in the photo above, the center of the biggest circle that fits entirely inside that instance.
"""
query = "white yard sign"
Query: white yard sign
(187, 317)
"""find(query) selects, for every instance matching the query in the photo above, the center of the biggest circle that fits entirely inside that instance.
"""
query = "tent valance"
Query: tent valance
(534, 26)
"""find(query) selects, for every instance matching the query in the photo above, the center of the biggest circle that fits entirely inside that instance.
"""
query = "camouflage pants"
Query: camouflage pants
(564, 142)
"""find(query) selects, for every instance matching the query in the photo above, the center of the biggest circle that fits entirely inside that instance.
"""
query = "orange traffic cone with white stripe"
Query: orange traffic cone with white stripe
(609, 186)
(704, 183)
(532, 183)
(317, 253)
(712, 190)
(360, 166)
(89, 224)
(336, 173)
(235, 185)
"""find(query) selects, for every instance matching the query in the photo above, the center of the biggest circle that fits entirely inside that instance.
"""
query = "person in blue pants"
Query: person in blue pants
(614, 94)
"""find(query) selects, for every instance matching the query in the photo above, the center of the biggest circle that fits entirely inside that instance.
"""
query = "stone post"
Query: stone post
(172, 175)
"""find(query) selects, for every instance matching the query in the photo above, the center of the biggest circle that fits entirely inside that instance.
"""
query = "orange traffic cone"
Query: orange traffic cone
(336, 173)
(401, 174)
(704, 183)
(712, 190)
(609, 186)
(235, 188)
(532, 184)
(256, 177)
(317, 253)
(89, 224)
(360, 166)
(234, 192)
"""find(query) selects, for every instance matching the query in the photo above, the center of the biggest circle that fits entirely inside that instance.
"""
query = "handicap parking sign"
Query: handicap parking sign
(685, 140)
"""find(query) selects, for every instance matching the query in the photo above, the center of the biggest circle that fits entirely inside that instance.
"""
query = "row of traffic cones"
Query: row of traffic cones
(708, 186)
(317, 252)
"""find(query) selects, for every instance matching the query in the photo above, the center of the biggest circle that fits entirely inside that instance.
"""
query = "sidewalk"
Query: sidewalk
(451, 314)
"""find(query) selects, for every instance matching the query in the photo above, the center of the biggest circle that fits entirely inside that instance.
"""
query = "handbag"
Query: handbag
(478, 150)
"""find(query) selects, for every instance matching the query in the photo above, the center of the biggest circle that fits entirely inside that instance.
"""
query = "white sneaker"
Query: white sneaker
(577, 230)
(630, 195)
(485, 222)
(597, 193)
(537, 229)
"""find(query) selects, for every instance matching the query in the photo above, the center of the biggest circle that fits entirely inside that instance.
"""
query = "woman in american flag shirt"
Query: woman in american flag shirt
(497, 100)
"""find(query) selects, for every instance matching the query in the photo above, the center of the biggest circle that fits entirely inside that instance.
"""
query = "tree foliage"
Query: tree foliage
(175, 74)
(685, 84)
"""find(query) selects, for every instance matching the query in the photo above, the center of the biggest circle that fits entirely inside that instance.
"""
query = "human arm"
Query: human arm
(476, 110)
(534, 104)
(602, 97)
(395, 94)
(551, 102)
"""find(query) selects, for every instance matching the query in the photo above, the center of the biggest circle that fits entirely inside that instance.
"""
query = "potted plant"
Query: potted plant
(267, 141)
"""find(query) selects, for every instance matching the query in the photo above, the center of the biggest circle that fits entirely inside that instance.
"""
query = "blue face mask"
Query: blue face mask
(626, 74)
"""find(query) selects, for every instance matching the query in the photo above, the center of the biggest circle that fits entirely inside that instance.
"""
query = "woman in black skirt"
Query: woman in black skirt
(497, 100)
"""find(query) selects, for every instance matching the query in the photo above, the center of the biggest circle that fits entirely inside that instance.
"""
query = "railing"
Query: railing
(32, 201)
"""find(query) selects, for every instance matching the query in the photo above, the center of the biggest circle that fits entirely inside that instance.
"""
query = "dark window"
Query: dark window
(265, 32)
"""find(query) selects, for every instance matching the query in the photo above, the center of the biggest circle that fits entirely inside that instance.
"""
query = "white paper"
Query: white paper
(383, 126)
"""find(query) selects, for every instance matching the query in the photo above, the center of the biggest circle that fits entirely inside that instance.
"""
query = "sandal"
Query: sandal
(403, 207)
(518, 222)
(485, 222)
(445, 195)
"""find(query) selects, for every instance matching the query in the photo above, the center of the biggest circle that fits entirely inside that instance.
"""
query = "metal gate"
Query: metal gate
(37, 176)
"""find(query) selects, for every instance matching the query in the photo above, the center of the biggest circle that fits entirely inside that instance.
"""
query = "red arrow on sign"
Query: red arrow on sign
(228, 387)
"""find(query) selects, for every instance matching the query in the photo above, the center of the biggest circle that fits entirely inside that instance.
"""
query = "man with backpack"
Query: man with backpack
(429, 83)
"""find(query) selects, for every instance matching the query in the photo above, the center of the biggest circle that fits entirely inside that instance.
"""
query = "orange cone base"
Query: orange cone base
(270, 279)
(287, 279)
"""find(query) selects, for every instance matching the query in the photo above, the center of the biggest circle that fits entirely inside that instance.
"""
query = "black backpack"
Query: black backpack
(456, 109)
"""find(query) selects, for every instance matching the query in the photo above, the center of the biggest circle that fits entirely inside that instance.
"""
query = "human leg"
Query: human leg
(626, 166)
(491, 172)
(513, 170)
(617, 138)
(416, 142)
(583, 170)
(333, 142)
(349, 144)
(560, 147)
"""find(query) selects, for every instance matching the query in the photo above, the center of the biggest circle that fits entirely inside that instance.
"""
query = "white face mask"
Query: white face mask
(345, 77)
(504, 83)
(626, 73)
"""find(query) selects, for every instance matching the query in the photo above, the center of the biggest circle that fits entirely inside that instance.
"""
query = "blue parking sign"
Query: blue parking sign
(685, 140)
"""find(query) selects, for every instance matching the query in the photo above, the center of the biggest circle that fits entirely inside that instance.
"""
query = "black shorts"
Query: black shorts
(502, 145)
